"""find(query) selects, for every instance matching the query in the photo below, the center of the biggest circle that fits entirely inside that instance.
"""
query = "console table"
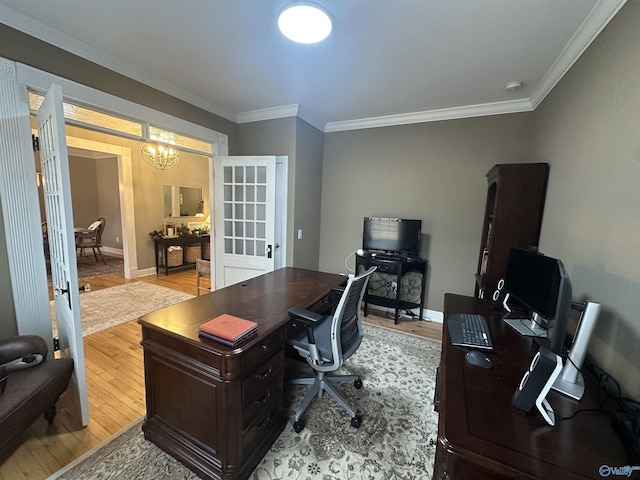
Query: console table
(398, 282)
(162, 244)
(215, 408)
(481, 437)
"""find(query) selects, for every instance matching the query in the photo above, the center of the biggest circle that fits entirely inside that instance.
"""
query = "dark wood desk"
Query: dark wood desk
(217, 409)
(481, 437)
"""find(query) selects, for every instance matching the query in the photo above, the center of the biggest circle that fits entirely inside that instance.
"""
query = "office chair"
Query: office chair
(326, 342)
(92, 238)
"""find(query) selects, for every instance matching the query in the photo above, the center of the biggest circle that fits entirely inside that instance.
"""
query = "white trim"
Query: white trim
(40, 80)
(598, 18)
(125, 182)
(601, 14)
(498, 108)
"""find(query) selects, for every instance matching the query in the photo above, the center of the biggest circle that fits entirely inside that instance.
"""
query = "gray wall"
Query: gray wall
(430, 171)
(94, 194)
(588, 128)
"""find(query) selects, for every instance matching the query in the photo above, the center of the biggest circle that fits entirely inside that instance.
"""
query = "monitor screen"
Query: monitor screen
(541, 285)
(396, 235)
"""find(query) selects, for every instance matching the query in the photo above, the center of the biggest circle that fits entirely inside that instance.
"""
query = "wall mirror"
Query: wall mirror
(180, 201)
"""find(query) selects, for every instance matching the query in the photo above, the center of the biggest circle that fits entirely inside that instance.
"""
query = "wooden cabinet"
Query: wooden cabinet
(512, 218)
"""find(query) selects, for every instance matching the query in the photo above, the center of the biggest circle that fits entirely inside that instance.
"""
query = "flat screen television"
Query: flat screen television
(392, 235)
(541, 286)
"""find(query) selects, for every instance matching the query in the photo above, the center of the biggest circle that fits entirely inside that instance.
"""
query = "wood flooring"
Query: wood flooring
(115, 382)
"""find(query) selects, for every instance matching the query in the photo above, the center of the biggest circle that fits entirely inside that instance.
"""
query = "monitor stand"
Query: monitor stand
(528, 327)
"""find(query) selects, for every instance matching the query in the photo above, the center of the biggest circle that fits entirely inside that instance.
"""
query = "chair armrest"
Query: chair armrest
(339, 290)
(22, 351)
(306, 317)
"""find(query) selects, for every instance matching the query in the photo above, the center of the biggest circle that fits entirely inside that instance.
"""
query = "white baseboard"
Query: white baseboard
(113, 251)
(427, 315)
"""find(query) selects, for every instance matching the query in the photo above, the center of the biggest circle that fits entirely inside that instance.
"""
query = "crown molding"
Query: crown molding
(599, 17)
(293, 110)
(601, 14)
(70, 44)
(498, 108)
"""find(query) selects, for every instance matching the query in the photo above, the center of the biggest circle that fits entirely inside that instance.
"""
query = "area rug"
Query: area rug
(395, 442)
(112, 306)
(89, 268)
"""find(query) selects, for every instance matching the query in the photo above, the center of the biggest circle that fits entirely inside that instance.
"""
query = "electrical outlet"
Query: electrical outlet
(117, 239)
(300, 234)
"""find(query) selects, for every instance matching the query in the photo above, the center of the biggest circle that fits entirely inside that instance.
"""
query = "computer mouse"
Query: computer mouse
(478, 359)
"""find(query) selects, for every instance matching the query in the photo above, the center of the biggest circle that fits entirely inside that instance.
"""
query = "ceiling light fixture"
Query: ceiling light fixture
(304, 23)
(159, 156)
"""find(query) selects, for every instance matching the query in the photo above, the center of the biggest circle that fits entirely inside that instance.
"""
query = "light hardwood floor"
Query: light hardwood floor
(115, 382)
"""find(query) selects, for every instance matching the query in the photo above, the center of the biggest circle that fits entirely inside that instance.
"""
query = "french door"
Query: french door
(62, 248)
(245, 205)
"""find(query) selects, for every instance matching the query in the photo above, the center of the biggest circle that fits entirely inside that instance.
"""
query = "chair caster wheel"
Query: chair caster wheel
(356, 421)
(298, 426)
(357, 383)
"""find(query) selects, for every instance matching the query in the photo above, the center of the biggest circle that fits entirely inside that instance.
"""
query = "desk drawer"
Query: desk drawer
(386, 267)
(259, 353)
(257, 381)
(254, 407)
(269, 416)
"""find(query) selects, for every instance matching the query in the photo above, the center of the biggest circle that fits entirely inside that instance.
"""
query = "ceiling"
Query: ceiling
(387, 62)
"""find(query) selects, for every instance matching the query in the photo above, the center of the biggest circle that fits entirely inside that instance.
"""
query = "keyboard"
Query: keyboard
(469, 330)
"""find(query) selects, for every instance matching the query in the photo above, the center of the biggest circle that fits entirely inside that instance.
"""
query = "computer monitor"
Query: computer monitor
(540, 284)
(397, 235)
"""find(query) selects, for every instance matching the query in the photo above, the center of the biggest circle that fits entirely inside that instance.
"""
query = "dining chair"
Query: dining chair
(92, 238)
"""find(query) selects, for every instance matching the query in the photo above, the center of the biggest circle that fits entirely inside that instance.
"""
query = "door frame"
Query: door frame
(18, 190)
(127, 212)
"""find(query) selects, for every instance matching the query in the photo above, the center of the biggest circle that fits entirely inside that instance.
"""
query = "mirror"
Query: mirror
(182, 201)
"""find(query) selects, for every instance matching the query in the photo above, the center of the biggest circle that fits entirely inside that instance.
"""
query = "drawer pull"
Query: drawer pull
(264, 399)
(266, 421)
(264, 347)
(262, 376)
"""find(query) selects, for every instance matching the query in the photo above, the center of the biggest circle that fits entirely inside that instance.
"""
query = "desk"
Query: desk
(217, 409)
(481, 437)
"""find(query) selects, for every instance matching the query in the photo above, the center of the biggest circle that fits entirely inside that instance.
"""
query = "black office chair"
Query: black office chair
(326, 341)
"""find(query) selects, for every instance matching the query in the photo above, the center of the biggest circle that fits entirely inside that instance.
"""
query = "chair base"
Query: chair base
(324, 383)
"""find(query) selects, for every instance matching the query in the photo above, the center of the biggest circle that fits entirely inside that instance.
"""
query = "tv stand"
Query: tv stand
(398, 282)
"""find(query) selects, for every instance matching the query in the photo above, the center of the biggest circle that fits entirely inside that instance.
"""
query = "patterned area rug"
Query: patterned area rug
(112, 306)
(89, 268)
(396, 439)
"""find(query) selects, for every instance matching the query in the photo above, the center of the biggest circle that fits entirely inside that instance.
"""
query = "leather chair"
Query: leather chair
(30, 385)
(325, 342)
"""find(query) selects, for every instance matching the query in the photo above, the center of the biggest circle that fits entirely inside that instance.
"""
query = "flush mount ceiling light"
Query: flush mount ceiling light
(304, 23)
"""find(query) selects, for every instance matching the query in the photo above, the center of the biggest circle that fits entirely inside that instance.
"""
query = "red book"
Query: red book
(228, 327)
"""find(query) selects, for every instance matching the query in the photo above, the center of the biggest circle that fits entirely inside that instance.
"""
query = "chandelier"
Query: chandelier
(159, 156)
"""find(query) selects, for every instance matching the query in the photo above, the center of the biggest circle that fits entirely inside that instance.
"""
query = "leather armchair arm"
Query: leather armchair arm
(22, 351)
